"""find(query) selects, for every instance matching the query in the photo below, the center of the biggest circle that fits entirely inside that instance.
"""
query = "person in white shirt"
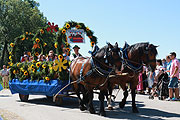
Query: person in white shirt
(76, 53)
(5, 78)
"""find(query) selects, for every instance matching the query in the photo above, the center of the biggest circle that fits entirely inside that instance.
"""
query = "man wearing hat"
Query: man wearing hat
(76, 52)
(174, 76)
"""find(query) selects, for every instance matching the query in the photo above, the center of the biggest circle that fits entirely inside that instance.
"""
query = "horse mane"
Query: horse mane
(142, 47)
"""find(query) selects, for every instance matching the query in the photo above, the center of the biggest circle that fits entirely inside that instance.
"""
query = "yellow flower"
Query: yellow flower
(67, 44)
(67, 26)
(26, 33)
(59, 65)
(50, 68)
(87, 29)
(23, 38)
(21, 69)
(27, 38)
(32, 66)
(11, 64)
(42, 31)
(30, 33)
(14, 71)
(10, 53)
(77, 26)
(25, 73)
(92, 43)
(38, 64)
(10, 57)
(55, 45)
(37, 40)
(63, 31)
(60, 57)
(34, 61)
(7, 67)
(47, 78)
(36, 54)
(34, 70)
(68, 49)
(45, 44)
(44, 66)
(18, 65)
(12, 44)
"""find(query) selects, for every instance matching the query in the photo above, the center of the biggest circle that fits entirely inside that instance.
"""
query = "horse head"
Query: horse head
(149, 56)
(113, 54)
(109, 54)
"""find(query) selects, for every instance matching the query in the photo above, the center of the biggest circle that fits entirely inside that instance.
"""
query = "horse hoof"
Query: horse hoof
(102, 114)
(135, 110)
(92, 111)
(82, 108)
(121, 105)
(110, 108)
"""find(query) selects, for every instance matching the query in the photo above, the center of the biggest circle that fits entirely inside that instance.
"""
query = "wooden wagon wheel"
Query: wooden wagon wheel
(23, 98)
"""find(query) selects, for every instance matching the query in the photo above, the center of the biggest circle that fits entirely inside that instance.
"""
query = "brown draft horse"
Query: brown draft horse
(134, 57)
(92, 73)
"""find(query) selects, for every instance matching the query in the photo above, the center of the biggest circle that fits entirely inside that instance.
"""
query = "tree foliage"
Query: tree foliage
(16, 18)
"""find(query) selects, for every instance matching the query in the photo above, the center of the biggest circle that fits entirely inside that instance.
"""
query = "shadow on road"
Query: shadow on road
(67, 102)
(117, 113)
(144, 113)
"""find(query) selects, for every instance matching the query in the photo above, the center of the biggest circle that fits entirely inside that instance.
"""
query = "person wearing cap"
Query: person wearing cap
(174, 76)
(76, 53)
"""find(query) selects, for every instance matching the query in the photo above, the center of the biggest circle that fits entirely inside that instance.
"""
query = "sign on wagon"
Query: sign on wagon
(75, 36)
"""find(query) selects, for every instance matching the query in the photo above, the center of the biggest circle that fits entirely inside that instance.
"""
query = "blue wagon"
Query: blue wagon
(49, 89)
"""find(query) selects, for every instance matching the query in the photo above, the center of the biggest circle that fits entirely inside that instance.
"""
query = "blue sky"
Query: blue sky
(154, 21)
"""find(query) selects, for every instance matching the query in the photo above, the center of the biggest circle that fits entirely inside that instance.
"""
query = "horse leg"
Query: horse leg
(81, 102)
(109, 102)
(133, 94)
(101, 99)
(123, 102)
(90, 102)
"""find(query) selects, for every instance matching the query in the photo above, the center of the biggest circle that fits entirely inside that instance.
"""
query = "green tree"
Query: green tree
(16, 18)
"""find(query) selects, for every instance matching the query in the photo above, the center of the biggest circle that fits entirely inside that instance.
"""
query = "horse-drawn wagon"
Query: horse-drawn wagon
(51, 78)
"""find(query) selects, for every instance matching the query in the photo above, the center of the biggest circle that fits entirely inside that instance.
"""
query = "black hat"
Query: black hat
(173, 53)
(76, 47)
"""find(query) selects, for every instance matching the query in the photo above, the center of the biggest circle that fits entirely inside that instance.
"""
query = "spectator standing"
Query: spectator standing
(174, 76)
(159, 70)
(5, 78)
(150, 79)
(168, 60)
(164, 64)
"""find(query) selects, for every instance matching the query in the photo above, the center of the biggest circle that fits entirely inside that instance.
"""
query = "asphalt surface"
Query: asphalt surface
(39, 108)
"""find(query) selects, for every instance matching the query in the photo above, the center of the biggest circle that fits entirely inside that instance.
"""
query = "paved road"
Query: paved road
(39, 108)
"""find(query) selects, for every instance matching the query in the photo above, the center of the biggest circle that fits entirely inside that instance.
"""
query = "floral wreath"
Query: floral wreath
(62, 38)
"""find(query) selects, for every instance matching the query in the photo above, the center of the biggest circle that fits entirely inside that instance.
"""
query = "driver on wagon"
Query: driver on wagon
(76, 53)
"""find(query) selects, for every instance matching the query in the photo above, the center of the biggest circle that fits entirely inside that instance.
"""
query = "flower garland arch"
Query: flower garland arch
(62, 38)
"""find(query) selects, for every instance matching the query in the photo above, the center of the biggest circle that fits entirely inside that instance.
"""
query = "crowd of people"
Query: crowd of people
(166, 67)
(52, 56)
